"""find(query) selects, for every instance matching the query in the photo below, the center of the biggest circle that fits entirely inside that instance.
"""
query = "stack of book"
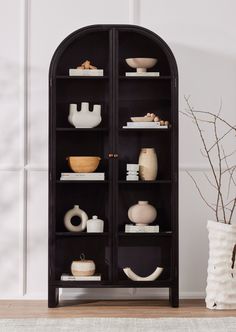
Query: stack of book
(143, 74)
(68, 277)
(82, 177)
(147, 125)
(141, 228)
(85, 72)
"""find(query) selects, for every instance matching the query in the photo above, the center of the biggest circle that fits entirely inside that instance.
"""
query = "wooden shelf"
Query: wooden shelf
(109, 284)
(65, 77)
(144, 284)
(145, 182)
(82, 234)
(81, 284)
(130, 235)
(81, 181)
(156, 78)
(122, 130)
(83, 129)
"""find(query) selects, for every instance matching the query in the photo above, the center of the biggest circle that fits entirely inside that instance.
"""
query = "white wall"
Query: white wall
(202, 37)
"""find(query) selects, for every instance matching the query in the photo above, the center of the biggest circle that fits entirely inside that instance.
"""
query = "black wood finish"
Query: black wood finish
(107, 46)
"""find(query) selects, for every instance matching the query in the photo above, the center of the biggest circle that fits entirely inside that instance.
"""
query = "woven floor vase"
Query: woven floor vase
(148, 164)
(221, 279)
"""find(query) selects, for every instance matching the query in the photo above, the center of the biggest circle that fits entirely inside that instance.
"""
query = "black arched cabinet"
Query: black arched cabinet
(107, 46)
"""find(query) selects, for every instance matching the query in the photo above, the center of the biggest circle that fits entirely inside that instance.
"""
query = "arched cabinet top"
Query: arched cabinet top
(103, 43)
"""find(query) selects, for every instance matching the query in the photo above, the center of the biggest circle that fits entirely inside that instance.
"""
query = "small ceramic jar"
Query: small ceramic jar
(83, 267)
(95, 225)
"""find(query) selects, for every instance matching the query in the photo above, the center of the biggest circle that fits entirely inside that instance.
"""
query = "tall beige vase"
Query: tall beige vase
(148, 165)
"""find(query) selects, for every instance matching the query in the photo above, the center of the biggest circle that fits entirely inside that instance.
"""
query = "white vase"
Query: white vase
(148, 165)
(142, 213)
(72, 111)
(221, 279)
(95, 225)
(84, 118)
(76, 211)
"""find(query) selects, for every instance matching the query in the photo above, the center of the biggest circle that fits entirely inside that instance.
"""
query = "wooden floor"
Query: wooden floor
(154, 309)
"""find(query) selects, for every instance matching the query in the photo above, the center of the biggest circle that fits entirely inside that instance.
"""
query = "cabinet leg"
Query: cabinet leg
(174, 297)
(53, 297)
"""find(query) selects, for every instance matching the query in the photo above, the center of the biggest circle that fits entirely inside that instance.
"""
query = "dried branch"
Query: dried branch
(232, 211)
(231, 172)
(225, 208)
(195, 182)
(205, 148)
(219, 195)
(210, 181)
(218, 117)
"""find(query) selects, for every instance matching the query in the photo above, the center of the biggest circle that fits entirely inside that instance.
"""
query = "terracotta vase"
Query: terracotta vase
(142, 213)
(148, 165)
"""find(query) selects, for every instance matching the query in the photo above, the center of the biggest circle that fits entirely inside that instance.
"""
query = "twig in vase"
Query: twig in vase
(213, 119)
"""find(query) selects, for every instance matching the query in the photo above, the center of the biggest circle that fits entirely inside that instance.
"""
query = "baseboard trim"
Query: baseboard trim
(110, 294)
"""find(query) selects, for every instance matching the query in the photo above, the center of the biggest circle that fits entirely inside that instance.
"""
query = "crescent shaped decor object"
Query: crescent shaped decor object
(133, 276)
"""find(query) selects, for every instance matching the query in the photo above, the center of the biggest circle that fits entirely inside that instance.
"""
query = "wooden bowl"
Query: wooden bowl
(83, 164)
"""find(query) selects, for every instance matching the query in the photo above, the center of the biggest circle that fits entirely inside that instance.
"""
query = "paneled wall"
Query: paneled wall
(201, 35)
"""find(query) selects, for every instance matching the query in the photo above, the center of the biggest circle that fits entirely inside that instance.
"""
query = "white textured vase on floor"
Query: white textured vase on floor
(148, 164)
(221, 279)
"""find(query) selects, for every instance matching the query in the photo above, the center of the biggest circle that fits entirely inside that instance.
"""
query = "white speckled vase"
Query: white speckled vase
(221, 279)
(142, 213)
(148, 164)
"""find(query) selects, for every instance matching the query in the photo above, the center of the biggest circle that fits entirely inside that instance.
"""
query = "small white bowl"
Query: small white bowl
(142, 119)
(141, 64)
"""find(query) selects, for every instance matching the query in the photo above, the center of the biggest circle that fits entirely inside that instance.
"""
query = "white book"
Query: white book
(146, 124)
(141, 229)
(144, 74)
(132, 177)
(145, 127)
(67, 277)
(82, 176)
(85, 72)
(79, 180)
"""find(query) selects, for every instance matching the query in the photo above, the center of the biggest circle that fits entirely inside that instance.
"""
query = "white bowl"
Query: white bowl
(142, 119)
(141, 64)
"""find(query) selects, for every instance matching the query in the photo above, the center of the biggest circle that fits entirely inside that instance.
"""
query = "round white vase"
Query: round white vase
(76, 211)
(95, 225)
(221, 279)
(83, 268)
(142, 213)
(148, 165)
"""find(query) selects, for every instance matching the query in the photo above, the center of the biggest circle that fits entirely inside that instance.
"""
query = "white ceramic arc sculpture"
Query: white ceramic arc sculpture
(133, 276)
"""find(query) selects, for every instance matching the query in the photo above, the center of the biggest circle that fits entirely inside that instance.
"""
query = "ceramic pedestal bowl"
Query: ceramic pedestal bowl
(83, 164)
(141, 64)
(142, 119)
